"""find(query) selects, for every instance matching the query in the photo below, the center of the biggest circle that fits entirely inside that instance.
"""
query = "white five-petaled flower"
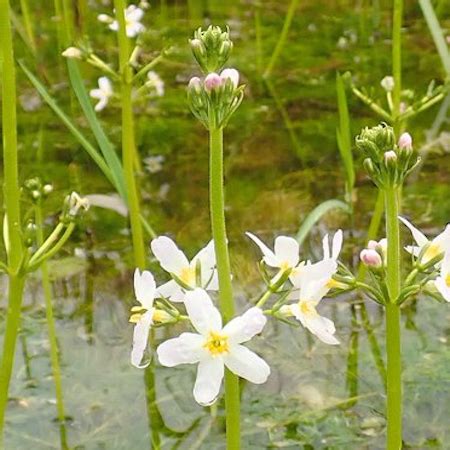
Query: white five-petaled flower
(103, 93)
(285, 255)
(199, 272)
(215, 347)
(440, 244)
(133, 17)
(315, 283)
(144, 290)
(155, 84)
(442, 282)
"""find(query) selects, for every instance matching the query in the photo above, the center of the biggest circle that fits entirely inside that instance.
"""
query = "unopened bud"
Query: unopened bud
(371, 258)
(72, 53)
(212, 81)
(104, 18)
(161, 316)
(405, 142)
(47, 189)
(390, 157)
(195, 84)
(387, 83)
(232, 75)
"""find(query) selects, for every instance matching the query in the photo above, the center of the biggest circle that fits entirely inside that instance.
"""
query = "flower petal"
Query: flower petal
(134, 14)
(337, 244)
(171, 258)
(207, 257)
(105, 85)
(418, 236)
(442, 287)
(287, 250)
(246, 364)
(171, 290)
(323, 328)
(243, 328)
(269, 256)
(202, 312)
(144, 288)
(140, 338)
(184, 349)
(443, 239)
(326, 247)
(209, 379)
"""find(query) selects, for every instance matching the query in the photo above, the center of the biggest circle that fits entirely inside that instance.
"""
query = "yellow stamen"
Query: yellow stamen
(187, 276)
(447, 280)
(160, 315)
(432, 251)
(137, 309)
(216, 343)
(307, 308)
(135, 318)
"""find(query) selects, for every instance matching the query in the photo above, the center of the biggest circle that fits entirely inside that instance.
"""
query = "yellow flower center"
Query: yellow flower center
(333, 283)
(216, 343)
(187, 275)
(307, 308)
(138, 312)
(432, 251)
(447, 280)
(285, 266)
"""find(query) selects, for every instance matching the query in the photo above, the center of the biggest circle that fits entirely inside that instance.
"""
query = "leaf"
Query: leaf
(107, 149)
(343, 135)
(437, 33)
(316, 214)
(91, 150)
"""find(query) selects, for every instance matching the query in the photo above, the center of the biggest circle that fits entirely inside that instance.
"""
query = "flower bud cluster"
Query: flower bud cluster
(388, 163)
(374, 256)
(211, 48)
(216, 97)
(36, 189)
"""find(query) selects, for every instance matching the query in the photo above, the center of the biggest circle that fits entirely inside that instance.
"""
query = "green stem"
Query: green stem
(216, 192)
(11, 195)
(397, 62)
(282, 39)
(393, 346)
(54, 352)
(48, 243)
(28, 24)
(128, 139)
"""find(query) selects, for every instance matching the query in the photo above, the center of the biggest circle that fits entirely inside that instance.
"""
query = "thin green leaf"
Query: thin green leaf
(343, 135)
(436, 33)
(91, 150)
(316, 214)
(103, 142)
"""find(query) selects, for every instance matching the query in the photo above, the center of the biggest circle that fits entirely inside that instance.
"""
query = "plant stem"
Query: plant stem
(54, 352)
(12, 206)
(216, 192)
(28, 24)
(397, 62)
(282, 39)
(393, 346)
(128, 138)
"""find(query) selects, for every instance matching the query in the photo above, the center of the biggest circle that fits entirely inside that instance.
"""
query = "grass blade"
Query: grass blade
(91, 150)
(316, 214)
(436, 33)
(343, 135)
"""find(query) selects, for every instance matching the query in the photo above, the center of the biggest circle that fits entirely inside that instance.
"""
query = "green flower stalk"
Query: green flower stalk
(213, 101)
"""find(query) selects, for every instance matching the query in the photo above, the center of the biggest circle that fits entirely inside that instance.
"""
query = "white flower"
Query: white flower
(440, 244)
(285, 255)
(133, 25)
(174, 261)
(154, 164)
(315, 283)
(336, 246)
(155, 84)
(103, 93)
(144, 290)
(215, 347)
(442, 282)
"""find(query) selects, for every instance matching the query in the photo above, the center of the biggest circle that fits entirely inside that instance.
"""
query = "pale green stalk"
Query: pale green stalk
(54, 352)
(128, 138)
(282, 39)
(12, 206)
(393, 346)
(27, 22)
(217, 207)
(397, 63)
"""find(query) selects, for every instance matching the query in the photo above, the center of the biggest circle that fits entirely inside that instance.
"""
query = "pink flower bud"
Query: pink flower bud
(372, 245)
(405, 141)
(212, 81)
(230, 74)
(195, 83)
(370, 258)
(390, 156)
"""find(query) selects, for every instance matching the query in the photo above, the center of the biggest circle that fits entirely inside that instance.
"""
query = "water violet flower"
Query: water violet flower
(133, 17)
(103, 93)
(155, 84)
(199, 272)
(215, 347)
(442, 282)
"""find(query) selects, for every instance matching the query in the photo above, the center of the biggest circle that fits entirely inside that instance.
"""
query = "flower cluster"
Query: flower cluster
(387, 163)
